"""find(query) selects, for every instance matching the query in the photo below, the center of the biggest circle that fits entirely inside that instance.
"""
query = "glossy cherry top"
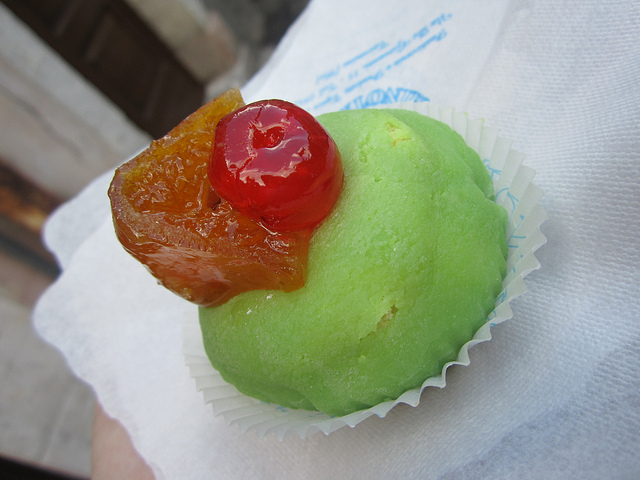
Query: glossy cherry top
(274, 162)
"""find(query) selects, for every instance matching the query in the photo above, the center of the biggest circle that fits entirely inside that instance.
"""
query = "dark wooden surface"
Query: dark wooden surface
(11, 469)
(115, 50)
(24, 208)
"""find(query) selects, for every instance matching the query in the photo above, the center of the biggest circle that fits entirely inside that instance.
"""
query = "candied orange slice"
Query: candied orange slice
(169, 218)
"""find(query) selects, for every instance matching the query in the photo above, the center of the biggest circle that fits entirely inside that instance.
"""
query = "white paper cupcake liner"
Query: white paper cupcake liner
(514, 191)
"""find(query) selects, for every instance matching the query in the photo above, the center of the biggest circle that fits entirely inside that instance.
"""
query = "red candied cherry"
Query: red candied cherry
(273, 162)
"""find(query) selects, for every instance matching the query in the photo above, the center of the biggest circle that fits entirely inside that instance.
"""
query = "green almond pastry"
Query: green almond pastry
(401, 274)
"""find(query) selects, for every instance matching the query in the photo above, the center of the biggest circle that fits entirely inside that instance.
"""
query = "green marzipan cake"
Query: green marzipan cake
(401, 274)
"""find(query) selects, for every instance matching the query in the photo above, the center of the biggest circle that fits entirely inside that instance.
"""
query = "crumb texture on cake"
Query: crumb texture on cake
(401, 274)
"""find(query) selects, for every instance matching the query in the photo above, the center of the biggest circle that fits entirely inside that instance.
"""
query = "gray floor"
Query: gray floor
(45, 412)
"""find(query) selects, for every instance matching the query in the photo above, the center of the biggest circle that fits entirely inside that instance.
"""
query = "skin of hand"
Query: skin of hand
(112, 453)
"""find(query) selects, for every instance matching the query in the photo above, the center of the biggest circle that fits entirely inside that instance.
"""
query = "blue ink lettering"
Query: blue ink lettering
(376, 76)
(442, 18)
(334, 99)
(398, 48)
(515, 237)
(514, 200)
(347, 77)
(377, 46)
(381, 97)
(422, 46)
(328, 88)
(307, 99)
(502, 297)
(328, 75)
(423, 32)
(492, 171)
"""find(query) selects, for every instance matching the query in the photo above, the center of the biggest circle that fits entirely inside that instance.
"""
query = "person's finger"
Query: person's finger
(113, 455)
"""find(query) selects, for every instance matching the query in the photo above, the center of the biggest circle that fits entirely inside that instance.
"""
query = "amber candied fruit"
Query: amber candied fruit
(169, 218)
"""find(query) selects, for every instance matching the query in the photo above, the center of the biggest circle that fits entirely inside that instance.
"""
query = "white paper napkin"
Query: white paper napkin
(555, 394)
